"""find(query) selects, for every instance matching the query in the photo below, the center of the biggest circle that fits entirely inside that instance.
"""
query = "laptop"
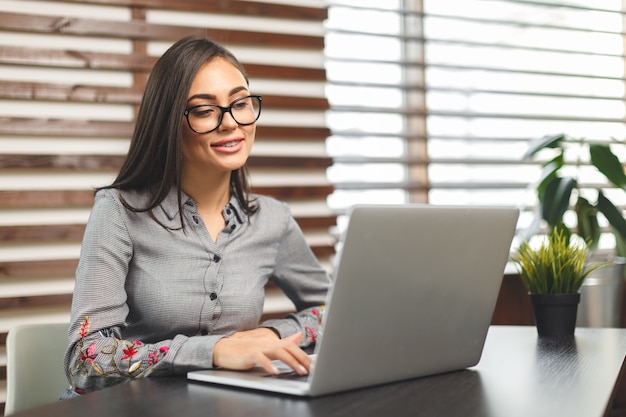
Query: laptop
(413, 295)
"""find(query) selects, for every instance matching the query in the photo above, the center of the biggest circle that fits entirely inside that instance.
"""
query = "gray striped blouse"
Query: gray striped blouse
(153, 299)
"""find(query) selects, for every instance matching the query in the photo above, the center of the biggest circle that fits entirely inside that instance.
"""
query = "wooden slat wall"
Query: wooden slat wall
(71, 78)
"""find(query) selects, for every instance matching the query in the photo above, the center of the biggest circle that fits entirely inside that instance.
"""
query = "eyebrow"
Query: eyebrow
(212, 97)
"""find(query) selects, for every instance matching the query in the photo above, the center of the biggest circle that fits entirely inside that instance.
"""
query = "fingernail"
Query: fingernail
(274, 370)
(303, 370)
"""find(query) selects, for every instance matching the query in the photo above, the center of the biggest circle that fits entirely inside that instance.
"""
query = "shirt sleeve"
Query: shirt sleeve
(305, 282)
(97, 356)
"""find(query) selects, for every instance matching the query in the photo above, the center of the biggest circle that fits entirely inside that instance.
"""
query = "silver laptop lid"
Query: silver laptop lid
(414, 293)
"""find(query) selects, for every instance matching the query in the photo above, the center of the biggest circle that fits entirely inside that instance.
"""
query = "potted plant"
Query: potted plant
(553, 273)
(557, 191)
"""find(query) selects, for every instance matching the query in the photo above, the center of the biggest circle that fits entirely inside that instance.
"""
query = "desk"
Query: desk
(518, 375)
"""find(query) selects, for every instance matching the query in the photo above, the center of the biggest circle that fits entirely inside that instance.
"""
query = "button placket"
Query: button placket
(232, 218)
(215, 282)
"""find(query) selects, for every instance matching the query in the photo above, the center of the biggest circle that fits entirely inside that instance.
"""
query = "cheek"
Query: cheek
(189, 142)
(250, 132)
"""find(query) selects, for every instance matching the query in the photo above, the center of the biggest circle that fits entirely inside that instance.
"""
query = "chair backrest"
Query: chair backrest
(35, 374)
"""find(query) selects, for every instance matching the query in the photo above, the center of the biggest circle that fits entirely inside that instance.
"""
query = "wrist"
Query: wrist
(273, 331)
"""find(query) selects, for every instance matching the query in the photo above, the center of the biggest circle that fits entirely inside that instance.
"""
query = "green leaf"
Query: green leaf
(550, 170)
(620, 245)
(548, 141)
(555, 199)
(612, 214)
(608, 164)
(557, 266)
(588, 227)
(564, 231)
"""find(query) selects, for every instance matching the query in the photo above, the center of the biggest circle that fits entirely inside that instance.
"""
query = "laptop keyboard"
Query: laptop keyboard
(291, 375)
(285, 372)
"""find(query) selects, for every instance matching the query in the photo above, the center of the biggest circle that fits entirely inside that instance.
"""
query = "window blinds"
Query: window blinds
(437, 100)
(71, 76)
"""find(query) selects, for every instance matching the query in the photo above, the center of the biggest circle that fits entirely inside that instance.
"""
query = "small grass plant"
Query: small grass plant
(557, 266)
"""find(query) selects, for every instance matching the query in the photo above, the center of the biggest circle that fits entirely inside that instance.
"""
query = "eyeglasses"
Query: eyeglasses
(205, 118)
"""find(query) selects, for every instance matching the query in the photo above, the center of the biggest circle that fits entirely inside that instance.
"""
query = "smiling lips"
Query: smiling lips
(228, 145)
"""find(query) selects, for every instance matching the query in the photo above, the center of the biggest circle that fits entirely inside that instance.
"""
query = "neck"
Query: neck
(210, 192)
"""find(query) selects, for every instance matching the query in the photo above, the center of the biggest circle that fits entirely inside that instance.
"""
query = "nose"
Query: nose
(228, 122)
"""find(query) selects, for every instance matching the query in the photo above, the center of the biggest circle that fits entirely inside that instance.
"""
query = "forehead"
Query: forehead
(217, 75)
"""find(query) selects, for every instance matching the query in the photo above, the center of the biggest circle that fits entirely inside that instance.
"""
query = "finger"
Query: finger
(294, 338)
(292, 363)
(267, 364)
(294, 357)
(292, 346)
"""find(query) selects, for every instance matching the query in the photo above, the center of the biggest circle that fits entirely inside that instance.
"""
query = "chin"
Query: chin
(233, 165)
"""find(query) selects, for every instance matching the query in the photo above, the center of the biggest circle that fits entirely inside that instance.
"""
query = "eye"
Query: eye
(240, 105)
(202, 112)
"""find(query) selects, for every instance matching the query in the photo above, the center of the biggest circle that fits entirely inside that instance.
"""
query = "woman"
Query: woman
(176, 252)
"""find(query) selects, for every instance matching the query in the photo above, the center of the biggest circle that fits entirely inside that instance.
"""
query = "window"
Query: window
(365, 90)
(437, 100)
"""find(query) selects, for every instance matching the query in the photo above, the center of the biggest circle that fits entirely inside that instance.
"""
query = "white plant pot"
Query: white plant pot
(601, 297)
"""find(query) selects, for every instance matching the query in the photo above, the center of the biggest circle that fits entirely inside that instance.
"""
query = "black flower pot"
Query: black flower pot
(555, 314)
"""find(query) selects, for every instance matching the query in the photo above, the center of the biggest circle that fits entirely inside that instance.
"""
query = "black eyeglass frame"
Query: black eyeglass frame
(223, 110)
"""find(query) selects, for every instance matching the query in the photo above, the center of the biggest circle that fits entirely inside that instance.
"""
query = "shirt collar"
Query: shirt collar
(233, 212)
(169, 205)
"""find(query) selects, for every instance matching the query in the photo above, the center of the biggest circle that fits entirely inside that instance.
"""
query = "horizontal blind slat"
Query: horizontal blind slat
(84, 198)
(249, 8)
(90, 94)
(85, 128)
(114, 162)
(39, 57)
(141, 30)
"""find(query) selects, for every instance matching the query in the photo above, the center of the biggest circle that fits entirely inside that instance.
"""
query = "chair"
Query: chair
(35, 373)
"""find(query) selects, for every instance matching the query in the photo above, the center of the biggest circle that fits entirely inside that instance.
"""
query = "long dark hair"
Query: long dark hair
(154, 162)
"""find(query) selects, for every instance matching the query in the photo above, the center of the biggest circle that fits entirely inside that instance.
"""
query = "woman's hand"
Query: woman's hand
(259, 332)
(244, 350)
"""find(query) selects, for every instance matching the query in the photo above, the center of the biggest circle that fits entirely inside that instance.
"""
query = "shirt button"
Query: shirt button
(217, 258)
(232, 227)
(196, 219)
(213, 296)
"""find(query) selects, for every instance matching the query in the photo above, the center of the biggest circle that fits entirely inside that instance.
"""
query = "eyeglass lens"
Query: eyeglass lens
(207, 117)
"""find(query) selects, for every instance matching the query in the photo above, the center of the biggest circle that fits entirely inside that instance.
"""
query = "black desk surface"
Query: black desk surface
(518, 375)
